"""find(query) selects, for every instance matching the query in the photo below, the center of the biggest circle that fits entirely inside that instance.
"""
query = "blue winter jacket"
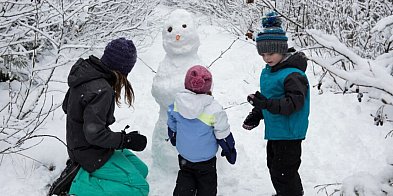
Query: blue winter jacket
(285, 85)
(198, 121)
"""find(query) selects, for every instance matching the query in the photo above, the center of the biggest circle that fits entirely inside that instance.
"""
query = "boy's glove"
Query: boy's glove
(253, 119)
(172, 136)
(133, 141)
(257, 100)
(228, 148)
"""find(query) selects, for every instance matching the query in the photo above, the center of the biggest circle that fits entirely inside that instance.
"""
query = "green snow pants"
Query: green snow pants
(123, 174)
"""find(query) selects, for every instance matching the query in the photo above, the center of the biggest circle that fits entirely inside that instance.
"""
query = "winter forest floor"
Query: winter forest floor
(341, 141)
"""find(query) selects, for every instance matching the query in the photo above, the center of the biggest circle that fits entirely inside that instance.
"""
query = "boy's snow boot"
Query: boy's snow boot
(62, 185)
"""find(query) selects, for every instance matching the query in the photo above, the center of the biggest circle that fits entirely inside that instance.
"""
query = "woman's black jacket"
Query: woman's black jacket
(89, 105)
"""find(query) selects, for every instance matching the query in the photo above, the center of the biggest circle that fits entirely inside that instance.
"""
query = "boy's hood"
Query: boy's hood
(190, 105)
(292, 60)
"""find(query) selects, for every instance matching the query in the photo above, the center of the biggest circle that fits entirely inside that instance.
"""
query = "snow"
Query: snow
(365, 72)
(342, 144)
(382, 24)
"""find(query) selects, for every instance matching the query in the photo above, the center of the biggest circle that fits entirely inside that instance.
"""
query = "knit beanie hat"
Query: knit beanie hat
(198, 79)
(272, 38)
(120, 55)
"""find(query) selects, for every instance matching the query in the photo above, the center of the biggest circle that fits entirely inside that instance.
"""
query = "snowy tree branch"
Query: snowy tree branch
(41, 32)
(367, 72)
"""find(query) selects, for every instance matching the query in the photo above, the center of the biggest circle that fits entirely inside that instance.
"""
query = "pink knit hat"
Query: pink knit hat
(198, 79)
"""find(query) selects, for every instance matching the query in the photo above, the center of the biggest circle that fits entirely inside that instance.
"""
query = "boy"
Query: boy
(283, 102)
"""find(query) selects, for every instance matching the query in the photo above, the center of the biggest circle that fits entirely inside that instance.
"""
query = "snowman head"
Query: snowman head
(180, 33)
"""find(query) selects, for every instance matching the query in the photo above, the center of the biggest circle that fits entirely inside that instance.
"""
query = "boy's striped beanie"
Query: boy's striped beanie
(272, 38)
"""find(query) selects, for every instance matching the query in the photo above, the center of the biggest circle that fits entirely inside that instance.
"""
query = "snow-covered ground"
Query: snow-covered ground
(341, 140)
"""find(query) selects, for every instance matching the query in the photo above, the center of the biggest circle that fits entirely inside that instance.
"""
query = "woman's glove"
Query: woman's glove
(133, 141)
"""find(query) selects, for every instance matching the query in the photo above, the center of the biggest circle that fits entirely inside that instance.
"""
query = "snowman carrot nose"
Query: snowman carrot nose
(177, 37)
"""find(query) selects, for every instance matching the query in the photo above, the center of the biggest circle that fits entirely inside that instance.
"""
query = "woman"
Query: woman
(107, 167)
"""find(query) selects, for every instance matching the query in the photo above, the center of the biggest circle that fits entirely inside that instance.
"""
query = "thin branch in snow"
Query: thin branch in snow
(222, 53)
(43, 164)
(323, 188)
(147, 65)
(231, 106)
(390, 134)
(45, 135)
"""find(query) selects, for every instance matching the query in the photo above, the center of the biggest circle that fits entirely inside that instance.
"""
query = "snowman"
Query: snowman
(181, 43)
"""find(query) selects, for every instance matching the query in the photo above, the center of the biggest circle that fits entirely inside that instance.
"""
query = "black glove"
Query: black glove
(172, 136)
(257, 100)
(253, 119)
(133, 141)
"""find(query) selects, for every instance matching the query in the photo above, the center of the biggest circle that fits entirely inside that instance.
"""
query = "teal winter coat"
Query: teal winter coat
(285, 85)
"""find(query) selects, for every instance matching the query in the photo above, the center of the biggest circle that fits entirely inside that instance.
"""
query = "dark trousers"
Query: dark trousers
(283, 161)
(196, 178)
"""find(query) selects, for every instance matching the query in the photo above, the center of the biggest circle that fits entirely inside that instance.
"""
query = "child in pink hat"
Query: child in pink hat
(197, 125)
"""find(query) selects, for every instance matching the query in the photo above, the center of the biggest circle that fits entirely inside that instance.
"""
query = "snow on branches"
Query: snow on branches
(38, 37)
(365, 72)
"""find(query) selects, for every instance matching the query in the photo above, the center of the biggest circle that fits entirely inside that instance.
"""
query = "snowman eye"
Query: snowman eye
(184, 26)
(170, 29)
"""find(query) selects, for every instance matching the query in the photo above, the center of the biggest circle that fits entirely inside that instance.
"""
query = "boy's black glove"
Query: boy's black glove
(253, 119)
(133, 141)
(257, 100)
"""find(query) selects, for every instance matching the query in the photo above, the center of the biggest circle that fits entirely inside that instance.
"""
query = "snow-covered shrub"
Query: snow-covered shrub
(37, 37)
(351, 21)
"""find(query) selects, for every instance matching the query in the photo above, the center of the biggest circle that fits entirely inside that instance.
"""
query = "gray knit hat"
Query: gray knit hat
(272, 38)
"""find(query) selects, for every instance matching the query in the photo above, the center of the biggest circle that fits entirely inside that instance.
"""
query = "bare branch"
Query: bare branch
(222, 53)
(323, 188)
(147, 65)
(231, 106)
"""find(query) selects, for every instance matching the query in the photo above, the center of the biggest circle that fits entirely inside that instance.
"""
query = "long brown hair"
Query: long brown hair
(121, 81)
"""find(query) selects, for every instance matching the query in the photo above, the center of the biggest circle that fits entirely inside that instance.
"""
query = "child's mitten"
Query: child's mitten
(172, 136)
(228, 148)
(253, 119)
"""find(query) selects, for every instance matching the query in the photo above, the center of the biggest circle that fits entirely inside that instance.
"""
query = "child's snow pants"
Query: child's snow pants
(123, 174)
(196, 178)
(283, 161)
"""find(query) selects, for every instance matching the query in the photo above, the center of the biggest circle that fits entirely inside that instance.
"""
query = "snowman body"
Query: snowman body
(181, 42)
